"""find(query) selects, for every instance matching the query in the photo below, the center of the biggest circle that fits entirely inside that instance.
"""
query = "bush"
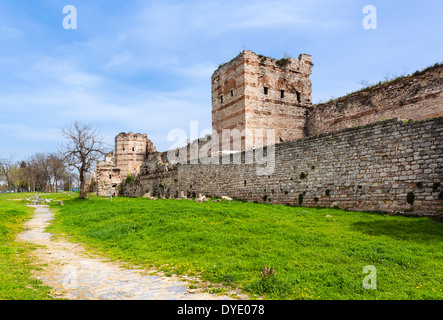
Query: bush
(129, 179)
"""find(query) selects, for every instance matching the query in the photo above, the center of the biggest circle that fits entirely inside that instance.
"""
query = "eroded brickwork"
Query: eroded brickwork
(106, 174)
(415, 97)
(130, 152)
(258, 92)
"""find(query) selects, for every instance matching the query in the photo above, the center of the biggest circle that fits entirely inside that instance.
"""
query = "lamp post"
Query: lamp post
(111, 178)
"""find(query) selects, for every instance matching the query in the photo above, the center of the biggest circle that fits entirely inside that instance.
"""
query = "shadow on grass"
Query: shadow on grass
(415, 229)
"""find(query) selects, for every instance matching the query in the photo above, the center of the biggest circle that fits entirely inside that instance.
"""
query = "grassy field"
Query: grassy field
(16, 257)
(316, 253)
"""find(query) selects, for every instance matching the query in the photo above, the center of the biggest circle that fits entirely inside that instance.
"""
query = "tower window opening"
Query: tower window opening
(265, 90)
(133, 149)
(221, 99)
(298, 97)
(282, 94)
(232, 93)
(123, 148)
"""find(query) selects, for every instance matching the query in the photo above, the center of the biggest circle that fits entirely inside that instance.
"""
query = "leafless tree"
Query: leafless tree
(6, 171)
(56, 168)
(82, 147)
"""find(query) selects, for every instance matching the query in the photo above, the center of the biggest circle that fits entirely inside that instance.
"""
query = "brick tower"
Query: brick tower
(130, 152)
(257, 92)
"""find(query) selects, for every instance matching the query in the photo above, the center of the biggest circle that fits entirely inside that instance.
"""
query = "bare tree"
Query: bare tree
(56, 167)
(83, 147)
(6, 170)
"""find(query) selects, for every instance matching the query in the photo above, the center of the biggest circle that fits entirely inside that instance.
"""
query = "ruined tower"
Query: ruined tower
(130, 152)
(257, 92)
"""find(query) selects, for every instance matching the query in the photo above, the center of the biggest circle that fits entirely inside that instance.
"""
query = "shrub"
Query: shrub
(129, 179)
(266, 283)
(282, 62)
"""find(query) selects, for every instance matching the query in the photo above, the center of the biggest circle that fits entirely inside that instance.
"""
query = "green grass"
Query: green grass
(16, 264)
(314, 256)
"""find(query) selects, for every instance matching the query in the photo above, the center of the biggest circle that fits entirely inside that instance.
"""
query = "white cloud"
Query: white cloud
(8, 32)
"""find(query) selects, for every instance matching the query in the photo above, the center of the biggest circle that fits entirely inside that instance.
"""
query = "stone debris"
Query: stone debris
(147, 195)
(201, 198)
(227, 198)
(182, 195)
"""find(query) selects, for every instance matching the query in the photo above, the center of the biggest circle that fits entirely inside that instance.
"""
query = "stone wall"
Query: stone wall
(418, 97)
(371, 167)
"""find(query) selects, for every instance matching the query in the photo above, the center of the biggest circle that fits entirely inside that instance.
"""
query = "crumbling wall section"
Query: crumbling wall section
(418, 97)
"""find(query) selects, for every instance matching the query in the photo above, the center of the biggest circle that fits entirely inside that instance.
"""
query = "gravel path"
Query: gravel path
(76, 274)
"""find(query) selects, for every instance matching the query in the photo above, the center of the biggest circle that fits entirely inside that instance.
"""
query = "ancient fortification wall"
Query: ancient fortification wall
(418, 97)
(338, 153)
(371, 167)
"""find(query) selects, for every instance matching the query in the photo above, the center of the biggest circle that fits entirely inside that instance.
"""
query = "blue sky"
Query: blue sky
(145, 66)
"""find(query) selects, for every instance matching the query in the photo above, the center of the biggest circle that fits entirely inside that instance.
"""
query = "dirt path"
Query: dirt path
(76, 274)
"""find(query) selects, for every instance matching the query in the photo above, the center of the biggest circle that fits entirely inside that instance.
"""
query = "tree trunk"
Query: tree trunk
(82, 194)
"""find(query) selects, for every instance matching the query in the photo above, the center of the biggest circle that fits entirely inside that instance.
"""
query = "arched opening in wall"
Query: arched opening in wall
(298, 97)
(265, 90)
(221, 99)
(123, 148)
(282, 94)
(232, 93)
(133, 148)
